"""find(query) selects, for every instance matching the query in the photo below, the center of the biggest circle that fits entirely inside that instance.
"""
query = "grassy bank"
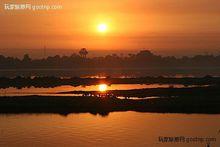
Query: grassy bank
(104, 105)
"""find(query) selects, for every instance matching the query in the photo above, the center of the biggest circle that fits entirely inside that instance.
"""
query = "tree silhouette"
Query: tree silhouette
(83, 52)
(142, 59)
(26, 58)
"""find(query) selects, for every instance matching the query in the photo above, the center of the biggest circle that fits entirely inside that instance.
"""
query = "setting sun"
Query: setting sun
(103, 87)
(102, 27)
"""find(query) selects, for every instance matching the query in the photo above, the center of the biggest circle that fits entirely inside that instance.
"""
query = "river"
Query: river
(118, 129)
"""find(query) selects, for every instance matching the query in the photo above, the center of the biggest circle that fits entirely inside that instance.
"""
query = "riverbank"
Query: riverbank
(205, 91)
(105, 105)
(47, 82)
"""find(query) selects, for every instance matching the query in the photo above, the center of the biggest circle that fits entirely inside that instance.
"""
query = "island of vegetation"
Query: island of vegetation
(198, 99)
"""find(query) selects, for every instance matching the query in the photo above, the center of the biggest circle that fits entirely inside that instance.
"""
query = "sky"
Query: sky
(160, 25)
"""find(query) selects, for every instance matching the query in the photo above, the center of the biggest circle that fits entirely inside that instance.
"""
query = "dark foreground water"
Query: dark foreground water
(118, 129)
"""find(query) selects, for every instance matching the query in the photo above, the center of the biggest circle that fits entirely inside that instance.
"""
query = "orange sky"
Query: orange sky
(133, 24)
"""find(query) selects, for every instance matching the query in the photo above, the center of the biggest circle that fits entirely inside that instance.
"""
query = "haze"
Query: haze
(174, 25)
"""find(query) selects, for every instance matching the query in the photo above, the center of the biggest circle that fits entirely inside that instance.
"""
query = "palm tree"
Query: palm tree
(83, 52)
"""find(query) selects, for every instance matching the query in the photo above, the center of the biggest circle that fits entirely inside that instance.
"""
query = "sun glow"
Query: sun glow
(102, 27)
(102, 87)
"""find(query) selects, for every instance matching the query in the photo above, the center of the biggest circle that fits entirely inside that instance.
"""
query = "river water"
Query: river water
(52, 91)
(118, 129)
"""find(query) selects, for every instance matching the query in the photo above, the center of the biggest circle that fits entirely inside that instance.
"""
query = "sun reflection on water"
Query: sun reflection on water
(102, 87)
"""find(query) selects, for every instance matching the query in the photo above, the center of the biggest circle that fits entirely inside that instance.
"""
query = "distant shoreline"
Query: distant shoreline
(51, 81)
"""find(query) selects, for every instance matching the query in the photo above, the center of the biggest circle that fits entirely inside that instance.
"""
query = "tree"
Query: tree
(145, 53)
(83, 52)
(26, 58)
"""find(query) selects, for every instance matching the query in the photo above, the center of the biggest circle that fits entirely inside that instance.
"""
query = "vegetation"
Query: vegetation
(46, 82)
(172, 100)
(207, 92)
(199, 99)
(143, 59)
(104, 105)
